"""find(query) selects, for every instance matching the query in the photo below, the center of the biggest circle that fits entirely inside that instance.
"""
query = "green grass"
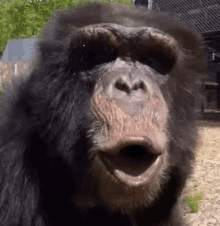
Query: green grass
(1, 91)
(193, 202)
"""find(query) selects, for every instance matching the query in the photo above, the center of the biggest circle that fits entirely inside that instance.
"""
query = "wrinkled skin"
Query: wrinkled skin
(102, 130)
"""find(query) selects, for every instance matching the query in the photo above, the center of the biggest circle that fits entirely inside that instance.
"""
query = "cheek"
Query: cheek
(113, 123)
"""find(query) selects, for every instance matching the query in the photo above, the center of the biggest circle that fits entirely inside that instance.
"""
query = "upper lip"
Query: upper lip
(144, 143)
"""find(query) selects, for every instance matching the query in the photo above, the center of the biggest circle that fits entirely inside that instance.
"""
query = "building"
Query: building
(204, 17)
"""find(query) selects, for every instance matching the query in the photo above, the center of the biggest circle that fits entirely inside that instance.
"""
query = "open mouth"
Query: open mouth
(132, 163)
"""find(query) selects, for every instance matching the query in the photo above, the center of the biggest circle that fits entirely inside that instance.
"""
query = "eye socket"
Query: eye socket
(153, 63)
(91, 53)
(159, 61)
(157, 50)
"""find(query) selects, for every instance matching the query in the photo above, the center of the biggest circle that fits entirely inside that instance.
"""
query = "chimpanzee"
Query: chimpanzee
(102, 130)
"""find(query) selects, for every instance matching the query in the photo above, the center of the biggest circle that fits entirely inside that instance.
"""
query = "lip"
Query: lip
(114, 148)
(132, 162)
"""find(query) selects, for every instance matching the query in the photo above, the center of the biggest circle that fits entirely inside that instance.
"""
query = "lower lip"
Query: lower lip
(130, 180)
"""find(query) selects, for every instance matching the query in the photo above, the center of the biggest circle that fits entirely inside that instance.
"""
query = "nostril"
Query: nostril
(128, 87)
(122, 86)
(139, 85)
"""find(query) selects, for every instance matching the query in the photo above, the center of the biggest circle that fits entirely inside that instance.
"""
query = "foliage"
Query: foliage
(192, 202)
(24, 18)
(1, 91)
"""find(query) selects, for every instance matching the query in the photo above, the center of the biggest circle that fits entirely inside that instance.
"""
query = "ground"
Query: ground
(206, 178)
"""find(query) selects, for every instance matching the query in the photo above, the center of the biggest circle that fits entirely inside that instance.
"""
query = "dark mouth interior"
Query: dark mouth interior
(136, 152)
(131, 159)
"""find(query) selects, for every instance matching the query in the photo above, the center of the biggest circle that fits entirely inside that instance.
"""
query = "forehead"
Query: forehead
(104, 13)
(130, 22)
(124, 15)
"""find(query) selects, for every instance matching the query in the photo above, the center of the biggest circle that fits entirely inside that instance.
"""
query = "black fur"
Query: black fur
(46, 124)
